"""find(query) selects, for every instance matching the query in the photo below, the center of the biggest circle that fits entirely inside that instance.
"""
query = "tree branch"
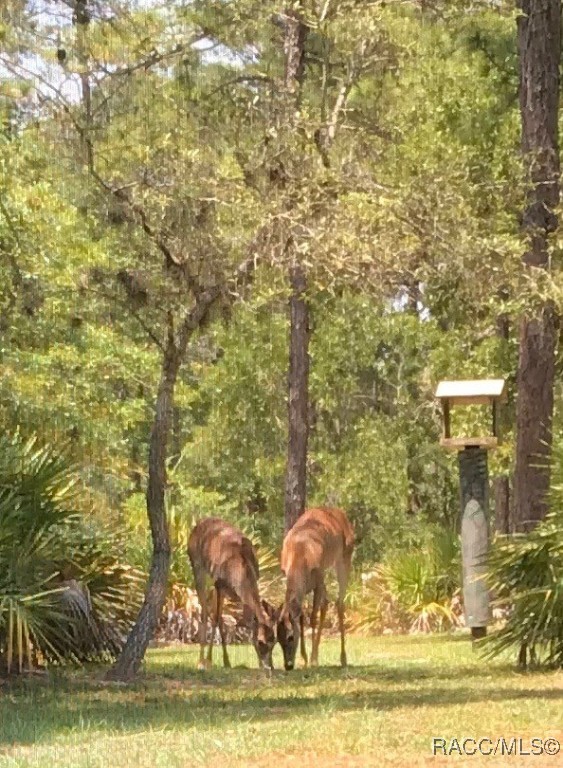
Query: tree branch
(325, 136)
(195, 316)
(257, 78)
(133, 312)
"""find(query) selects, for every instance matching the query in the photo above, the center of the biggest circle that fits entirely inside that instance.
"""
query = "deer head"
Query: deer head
(288, 632)
(264, 635)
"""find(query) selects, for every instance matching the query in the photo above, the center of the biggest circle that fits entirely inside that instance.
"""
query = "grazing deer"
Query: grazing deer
(220, 550)
(320, 539)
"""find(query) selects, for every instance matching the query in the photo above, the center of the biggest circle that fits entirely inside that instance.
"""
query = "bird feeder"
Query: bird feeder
(474, 489)
(489, 392)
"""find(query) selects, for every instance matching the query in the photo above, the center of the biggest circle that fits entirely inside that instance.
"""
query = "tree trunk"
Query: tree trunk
(502, 483)
(534, 412)
(413, 468)
(176, 433)
(137, 643)
(298, 379)
(503, 522)
(81, 18)
(298, 405)
(539, 40)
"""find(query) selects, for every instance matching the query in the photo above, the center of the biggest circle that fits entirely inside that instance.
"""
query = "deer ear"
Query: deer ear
(268, 608)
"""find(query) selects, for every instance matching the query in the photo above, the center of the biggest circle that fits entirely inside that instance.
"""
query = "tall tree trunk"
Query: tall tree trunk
(176, 433)
(298, 406)
(501, 483)
(137, 643)
(174, 353)
(539, 41)
(298, 378)
(502, 504)
(413, 468)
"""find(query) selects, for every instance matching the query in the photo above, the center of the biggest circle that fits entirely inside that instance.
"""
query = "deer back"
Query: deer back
(320, 538)
(222, 551)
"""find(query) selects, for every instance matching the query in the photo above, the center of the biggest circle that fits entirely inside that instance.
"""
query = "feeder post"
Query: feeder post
(474, 489)
(474, 496)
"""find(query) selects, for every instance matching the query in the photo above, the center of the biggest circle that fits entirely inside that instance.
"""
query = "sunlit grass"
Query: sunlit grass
(383, 710)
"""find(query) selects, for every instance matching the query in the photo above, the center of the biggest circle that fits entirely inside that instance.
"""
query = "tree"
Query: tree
(393, 186)
(316, 93)
(539, 44)
(180, 281)
(295, 36)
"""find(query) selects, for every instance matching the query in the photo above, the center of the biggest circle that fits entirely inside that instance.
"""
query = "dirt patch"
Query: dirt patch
(310, 759)
(307, 760)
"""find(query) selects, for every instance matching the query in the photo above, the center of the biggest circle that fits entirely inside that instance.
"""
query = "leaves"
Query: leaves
(525, 573)
(398, 181)
(49, 558)
(415, 590)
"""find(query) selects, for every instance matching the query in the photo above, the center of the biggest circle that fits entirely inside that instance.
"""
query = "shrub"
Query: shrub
(526, 574)
(64, 595)
(415, 591)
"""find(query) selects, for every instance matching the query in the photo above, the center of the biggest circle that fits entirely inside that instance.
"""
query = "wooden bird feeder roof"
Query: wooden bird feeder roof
(476, 392)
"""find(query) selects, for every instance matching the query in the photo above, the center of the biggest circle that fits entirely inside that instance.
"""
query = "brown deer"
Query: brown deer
(320, 539)
(219, 550)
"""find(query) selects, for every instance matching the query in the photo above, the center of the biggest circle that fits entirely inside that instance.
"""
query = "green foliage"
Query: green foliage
(410, 237)
(64, 594)
(375, 427)
(525, 572)
(414, 589)
(237, 445)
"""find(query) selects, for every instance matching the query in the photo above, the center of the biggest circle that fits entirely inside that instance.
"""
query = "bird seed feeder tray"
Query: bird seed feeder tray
(489, 392)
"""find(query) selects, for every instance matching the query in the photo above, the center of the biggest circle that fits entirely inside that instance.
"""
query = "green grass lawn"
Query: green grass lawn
(398, 693)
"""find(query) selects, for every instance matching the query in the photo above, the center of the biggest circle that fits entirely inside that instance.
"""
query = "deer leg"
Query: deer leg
(342, 575)
(340, 607)
(214, 622)
(321, 601)
(220, 603)
(314, 613)
(202, 597)
(303, 648)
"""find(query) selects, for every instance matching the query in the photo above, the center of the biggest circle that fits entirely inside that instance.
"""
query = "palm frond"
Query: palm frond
(525, 572)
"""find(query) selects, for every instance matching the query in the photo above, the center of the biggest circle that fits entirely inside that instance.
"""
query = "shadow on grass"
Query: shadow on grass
(399, 670)
(32, 711)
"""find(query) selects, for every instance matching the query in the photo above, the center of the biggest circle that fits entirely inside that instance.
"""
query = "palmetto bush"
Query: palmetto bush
(526, 575)
(416, 591)
(64, 595)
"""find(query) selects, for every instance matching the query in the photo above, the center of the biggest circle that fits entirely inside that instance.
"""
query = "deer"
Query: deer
(320, 539)
(219, 550)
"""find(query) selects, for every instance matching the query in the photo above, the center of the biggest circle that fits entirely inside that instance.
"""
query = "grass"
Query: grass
(398, 693)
